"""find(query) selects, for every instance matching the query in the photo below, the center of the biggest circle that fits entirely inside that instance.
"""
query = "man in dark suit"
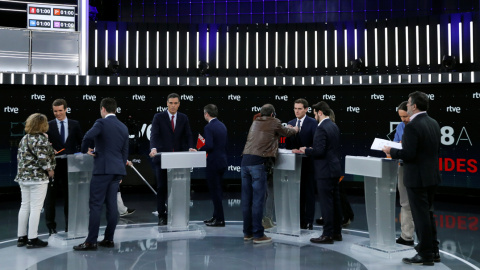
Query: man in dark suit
(170, 132)
(65, 135)
(109, 136)
(307, 126)
(420, 149)
(326, 159)
(215, 134)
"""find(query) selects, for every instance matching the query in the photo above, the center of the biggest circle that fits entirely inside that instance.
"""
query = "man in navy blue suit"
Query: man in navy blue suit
(215, 134)
(66, 136)
(170, 132)
(109, 137)
(307, 126)
(326, 159)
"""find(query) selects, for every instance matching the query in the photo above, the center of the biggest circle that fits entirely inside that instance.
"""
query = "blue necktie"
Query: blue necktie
(298, 123)
(62, 131)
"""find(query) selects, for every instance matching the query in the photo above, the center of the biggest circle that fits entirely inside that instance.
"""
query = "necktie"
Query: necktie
(173, 123)
(62, 131)
(298, 123)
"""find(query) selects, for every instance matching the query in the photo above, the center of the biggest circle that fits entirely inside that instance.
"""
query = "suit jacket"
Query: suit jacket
(420, 150)
(109, 136)
(164, 139)
(305, 136)
(216, 137)
(326, 151)
(74, 139)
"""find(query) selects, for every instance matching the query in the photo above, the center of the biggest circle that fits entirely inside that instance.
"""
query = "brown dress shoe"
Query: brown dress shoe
(322, 240)
(106, 243)
(85, 246)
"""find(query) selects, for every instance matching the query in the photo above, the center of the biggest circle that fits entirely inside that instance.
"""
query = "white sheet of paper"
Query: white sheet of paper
(378, 144)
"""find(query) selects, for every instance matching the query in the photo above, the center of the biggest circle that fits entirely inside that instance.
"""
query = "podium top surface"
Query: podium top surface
(366, 166)
(186, 159)
(286, 160)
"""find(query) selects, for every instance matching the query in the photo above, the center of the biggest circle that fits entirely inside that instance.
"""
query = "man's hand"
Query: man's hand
(129, 163)
(386, 150)
(91, 152)
(296, 129)
(153, 152)
(192, 150)
(299, 151)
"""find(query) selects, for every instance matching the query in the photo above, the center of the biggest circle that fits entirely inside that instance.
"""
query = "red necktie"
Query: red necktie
(173, 123)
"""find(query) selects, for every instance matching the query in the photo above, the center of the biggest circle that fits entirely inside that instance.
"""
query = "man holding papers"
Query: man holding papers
(421, 146)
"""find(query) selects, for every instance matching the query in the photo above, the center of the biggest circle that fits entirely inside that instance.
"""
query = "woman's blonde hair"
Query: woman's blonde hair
(36, 123)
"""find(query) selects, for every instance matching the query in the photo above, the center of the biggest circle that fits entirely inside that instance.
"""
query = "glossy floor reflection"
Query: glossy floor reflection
(140, 244)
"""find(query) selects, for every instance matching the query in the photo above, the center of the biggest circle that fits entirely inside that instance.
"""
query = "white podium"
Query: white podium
(380, 180)
(286, 188)
(178, 165)
(80, 167)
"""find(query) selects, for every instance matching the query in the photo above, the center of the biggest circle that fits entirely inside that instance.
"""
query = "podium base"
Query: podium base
(303, 237)
(397, 251)
(191, 231)
(62, 239)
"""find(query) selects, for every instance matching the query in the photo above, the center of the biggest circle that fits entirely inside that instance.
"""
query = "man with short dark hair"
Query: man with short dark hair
(170, 132)
(215, 134)
(107, 142)
(66, 136)
(262, 145)
(307, 126)
(326, 156)
(420, 150)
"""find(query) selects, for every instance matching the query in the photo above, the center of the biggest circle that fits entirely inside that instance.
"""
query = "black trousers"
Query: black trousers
(214, 181)
(58, 186)
(330, 205)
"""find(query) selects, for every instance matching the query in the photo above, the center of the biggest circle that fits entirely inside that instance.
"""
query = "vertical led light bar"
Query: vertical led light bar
(356, 44)
(286, 49)
(439, 59)
(276, 49)
(316, 49)
(228, 49)
(178, 49)
(136, 50)
(296, 49)
(208, 47)
(386, 46)
(376, 47)
(236, 51)
(157, 46)
(83, 21)
(216, 51)
(396, 46)
(247, 51)
(345, 42)
(460, 43)
(256, 50)
(96, 46)
(449, 39)
(126, 50)
(188, 51)
(406, 47)
(417, 45)
(168, 49)
(366, 50)
(428, 44)
(306, 51)
(148, 50)
(266, 52)
(471, 41)
(198, 48)
(326, 51)
(106, 48)
(335, 45)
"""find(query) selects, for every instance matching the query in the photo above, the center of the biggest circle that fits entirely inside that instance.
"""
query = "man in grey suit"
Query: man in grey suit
(109, 138)
(420, 149)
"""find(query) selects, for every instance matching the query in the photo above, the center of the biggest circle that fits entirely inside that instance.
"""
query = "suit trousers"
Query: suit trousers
(421, 202)
(162, 190)
(330, 205)
(214, 182)
(406, 220)
(307, 192)
(103, 188)
(60, 184)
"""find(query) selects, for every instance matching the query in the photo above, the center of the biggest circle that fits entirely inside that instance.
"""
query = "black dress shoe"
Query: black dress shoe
(85, 246)
(162, 221)
(337, 237)
(322, 240)
(22, 241)
(418, 260)
(216, 223)
(306, 226)
(319, 221)
(436, 257)
(402, 241)
(52, 231)
(209, 220)
(106, 243)
(36, 243)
